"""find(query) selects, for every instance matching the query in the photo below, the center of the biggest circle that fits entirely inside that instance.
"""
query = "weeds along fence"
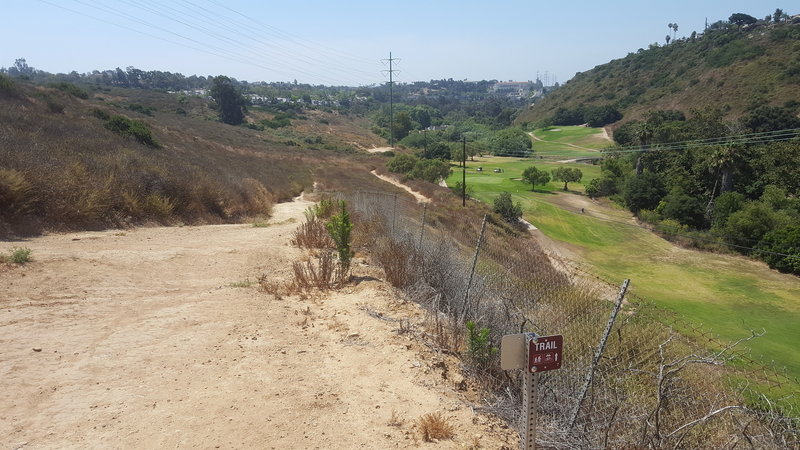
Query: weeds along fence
(628, 378)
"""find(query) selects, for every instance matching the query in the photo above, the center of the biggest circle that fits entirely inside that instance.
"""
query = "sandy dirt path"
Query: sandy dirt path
(150, 338)
(420, 198)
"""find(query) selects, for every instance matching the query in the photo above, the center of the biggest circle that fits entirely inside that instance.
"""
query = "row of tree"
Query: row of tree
(741, 186)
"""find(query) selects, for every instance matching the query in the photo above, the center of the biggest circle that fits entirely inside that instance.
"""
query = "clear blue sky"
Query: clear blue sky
(342, 42)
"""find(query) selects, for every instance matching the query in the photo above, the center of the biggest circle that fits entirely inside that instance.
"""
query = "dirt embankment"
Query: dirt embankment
(158, 337)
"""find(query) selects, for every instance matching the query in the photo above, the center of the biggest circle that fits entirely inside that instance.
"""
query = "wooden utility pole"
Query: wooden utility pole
(464, 172)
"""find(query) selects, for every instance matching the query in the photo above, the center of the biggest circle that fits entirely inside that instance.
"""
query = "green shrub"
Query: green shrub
(479, 345)
(100, 114)
(504, 206)
(339, 227)
(402, 163)
(132, 128)
(146, 110)
(70, 89)
(53, 106)
(158, 205)
(7, 85)
(18, 255)
(15, 193)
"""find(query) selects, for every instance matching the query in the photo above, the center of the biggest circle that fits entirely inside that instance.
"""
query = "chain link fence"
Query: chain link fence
(631, 377)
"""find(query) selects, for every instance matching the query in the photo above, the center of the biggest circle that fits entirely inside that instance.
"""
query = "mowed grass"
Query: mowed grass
(728, 295)
(568, 142)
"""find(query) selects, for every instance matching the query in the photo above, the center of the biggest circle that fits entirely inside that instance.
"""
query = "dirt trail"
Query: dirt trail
(147, 339)
(420, 198)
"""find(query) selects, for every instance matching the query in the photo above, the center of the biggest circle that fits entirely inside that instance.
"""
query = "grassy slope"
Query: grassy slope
(727, 294)
(78, 175)
(731, 70)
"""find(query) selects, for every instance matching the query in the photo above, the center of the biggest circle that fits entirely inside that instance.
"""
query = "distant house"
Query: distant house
(518, 89)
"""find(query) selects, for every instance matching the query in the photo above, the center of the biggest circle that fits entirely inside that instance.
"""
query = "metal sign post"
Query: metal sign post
(533, 354)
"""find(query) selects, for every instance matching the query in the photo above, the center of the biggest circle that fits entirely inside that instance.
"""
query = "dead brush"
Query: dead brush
(397, 261)
(312, 234)
(278, 289)
(434, 426)
(324, 275)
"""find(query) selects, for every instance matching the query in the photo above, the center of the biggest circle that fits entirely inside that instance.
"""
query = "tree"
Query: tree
(535, 176)
(402, 163)
(777, 16)
(771, 118)
(430, 170)
(567, 174)
(504, 206)
(402, 125)
(644, 191)
(748, 226)
(779, 242)
(684, 208)
(230, 103)
(742, 19)
(511, 141)
(668, 37)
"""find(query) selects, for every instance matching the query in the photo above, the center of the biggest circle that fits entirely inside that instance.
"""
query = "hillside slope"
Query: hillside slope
(89, 157)
(728, 68)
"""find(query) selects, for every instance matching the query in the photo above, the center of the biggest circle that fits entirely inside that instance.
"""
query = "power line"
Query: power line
(749, 138)
(231, 37)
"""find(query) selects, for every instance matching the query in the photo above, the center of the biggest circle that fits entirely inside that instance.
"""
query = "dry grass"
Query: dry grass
(312, 234)
(324, 275)
(397, 261)
(65, 171)
(395, 420)
(435, 426)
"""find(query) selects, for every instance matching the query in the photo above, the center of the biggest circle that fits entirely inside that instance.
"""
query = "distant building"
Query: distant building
(519, 89)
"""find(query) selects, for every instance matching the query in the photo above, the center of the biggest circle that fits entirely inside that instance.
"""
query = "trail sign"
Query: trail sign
(544, 353)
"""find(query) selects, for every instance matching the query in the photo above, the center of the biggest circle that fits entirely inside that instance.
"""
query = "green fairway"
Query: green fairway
(569, 142)
(728, 295)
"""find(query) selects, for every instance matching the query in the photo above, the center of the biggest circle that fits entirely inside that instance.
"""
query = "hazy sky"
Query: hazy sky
(343, 42)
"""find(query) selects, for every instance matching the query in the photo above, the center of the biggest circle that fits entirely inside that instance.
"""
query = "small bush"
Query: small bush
(53, 106)
(396, 260)
(324, 275)
(146, 110)
(435, 426)
(339, 228)
(312, 234)
(7, 86)
(18, 255)
(132, 128)
(479, 345)
(16, 193)
(504, 206)
(100, 114)
(70, 89)
(158, 205)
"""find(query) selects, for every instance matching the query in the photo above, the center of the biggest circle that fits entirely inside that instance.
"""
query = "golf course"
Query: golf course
(727, 295)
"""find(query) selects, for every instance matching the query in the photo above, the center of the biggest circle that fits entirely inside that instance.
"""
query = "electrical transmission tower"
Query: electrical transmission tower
(391, 97)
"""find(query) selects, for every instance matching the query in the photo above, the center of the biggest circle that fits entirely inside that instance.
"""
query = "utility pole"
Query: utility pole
(464, 172)
(391, 99)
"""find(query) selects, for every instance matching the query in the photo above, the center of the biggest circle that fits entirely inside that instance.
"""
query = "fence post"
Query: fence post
(528, 409)
(422, 230)
(394, 212)
(472, 271)
(599, 352)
